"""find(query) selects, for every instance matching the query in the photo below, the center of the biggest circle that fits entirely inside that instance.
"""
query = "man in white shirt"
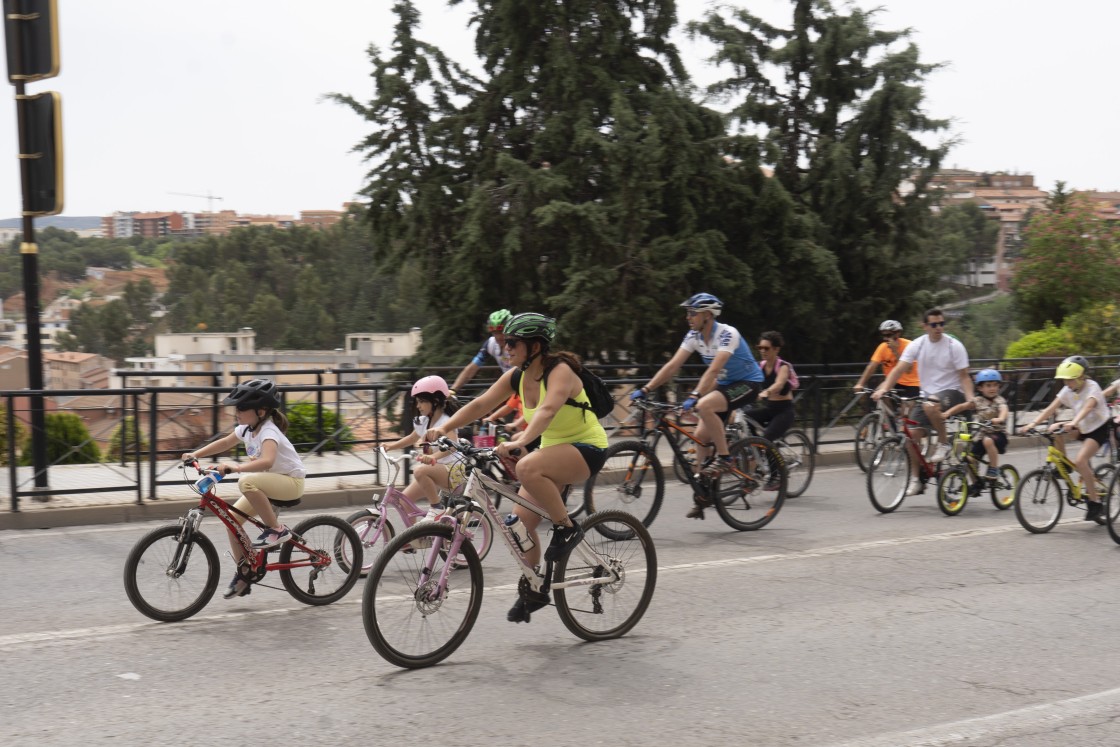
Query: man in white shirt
(943, 362)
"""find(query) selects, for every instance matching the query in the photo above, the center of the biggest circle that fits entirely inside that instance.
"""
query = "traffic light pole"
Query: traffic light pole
(29, 252)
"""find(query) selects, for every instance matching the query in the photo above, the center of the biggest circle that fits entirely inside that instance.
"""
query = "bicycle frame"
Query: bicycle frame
(662, 426)
(480, 487)
(257, 559)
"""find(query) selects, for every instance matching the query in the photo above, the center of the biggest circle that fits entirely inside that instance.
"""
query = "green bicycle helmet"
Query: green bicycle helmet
(531, 324)
(498, 319)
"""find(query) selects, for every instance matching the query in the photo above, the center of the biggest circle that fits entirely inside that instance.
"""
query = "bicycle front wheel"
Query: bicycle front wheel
(1112, 507)
(408, 619)
(631, 480)
(750, 496)
(888, 475)
(1003, 489)
(797, 455)
(373, 535)
(600, 611)
(327, 560)
(869, 431)
(1038, 501)
(952, 490)
(169, 580)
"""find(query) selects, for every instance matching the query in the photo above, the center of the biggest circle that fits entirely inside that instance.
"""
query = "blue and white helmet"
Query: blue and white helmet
(704, 302)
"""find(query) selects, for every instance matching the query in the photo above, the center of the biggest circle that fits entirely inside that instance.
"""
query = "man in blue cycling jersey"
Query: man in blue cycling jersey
(732, 379)
(494, 347)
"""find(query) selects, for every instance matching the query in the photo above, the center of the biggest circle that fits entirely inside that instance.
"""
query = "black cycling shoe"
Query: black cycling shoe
(238, 587)
(699, 503)
(563, 540)
(528, 601)
(1093, 510)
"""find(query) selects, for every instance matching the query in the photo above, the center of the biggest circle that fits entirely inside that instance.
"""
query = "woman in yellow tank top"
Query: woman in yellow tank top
(573, 444)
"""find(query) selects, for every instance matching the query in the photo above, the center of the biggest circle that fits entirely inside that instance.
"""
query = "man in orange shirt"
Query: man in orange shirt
(886, 355)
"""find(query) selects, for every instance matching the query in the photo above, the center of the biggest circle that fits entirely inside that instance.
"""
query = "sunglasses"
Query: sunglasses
(511, 342)
(936, 324)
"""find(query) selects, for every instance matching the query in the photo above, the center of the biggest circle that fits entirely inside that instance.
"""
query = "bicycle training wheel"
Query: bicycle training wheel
(600, 611)
(373, 539)
(328, 560)
(888, 475)
(869, 431)
(408, 619)
(1038, 501)
(1003, 489)
(1112, 507)
(797, 455)
(952, 490)
(750, 496)
(631, 480)
(168, 580)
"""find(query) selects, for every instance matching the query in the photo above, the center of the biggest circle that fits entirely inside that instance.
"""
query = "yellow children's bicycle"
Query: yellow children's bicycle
(967, 478)
(1042, 492)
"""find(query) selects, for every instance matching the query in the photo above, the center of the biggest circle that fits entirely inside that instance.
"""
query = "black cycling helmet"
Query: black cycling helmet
(255, 394)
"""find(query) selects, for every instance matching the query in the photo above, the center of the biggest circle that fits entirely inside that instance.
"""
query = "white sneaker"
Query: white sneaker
(434, 514)
(940, 453)
(915, 488)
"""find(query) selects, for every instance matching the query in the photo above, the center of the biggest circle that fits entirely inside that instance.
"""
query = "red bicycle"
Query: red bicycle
(889, 474)
(172, 572)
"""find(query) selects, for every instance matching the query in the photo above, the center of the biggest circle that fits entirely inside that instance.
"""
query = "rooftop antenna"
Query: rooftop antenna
(208, 197)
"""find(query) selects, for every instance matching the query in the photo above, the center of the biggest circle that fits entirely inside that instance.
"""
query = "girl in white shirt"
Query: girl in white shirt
(1090, 422)
(273, 474)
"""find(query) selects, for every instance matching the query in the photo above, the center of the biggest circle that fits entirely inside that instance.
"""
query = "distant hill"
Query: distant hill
(65, 222)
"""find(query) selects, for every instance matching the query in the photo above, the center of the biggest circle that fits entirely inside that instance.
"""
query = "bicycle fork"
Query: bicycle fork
(189, 525)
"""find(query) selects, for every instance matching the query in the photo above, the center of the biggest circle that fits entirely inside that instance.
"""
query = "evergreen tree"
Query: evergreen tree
(837, 104)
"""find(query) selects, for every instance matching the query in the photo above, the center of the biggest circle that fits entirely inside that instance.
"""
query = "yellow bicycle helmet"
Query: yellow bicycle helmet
(1072, 367)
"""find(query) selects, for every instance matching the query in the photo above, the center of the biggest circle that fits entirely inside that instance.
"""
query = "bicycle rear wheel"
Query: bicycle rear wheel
(598, 612)
(869, 431)
(888, 475)
(374, 540)
(631, 480)
(1038, 501)
(749, 497)
(329, 560)
(1112, 507)
(168, 580)
(797, 455)
(411, 623)
(1003, 489)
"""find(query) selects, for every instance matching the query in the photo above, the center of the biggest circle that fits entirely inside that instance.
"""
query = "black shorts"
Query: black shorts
(905, 390)
(738, 394)
(998, 437)
(1100, 435)
(593, 455)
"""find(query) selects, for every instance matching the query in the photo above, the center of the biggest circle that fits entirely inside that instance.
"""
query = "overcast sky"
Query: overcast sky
(223, 97)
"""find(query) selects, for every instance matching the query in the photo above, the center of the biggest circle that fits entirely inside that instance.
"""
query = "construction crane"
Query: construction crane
(208, 197)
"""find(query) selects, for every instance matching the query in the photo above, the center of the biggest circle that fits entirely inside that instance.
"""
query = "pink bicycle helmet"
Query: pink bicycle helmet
(431, 385)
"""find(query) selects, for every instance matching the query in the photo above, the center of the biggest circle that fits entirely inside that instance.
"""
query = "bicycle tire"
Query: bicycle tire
(630, 480)
(404, 626)
(603, 612)
(797, 455)
(1003, 490)
(750, 502)
(1112, 507)
(888, 474)
(952, 490)
(373, 541)
(869, 432)
(482, 536)
(160, 596)
(1038, 501)
(325, 582)
(1103, 475)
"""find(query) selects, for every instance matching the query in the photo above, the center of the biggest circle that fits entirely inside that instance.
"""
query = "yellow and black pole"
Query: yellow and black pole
(31, 33)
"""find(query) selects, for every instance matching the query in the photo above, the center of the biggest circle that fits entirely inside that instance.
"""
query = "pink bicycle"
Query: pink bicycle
(375, 530)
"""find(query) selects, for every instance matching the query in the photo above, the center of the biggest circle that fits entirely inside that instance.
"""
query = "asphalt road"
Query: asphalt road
(834, 625)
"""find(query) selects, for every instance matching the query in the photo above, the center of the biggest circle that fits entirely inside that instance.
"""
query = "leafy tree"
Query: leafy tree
(1095, 330)
(303, 427)
(20, 435)
(962, 235)
(268, 318)
(68, 441)
(138, 299)
(1050, 341)
(1070, 262)
(126, 433)
(838, 104)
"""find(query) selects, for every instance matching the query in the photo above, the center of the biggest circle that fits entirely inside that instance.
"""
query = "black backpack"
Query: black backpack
(602, 403)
